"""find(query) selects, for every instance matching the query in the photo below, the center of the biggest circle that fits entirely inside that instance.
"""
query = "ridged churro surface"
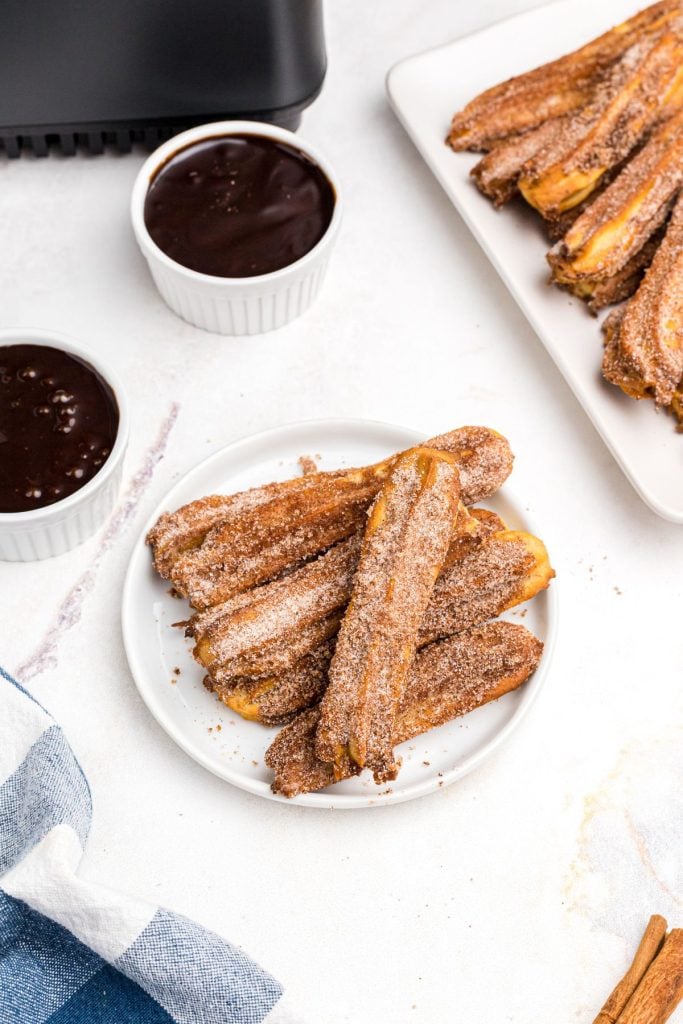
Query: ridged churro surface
(405, 545)
(644, 350)
(614, 228)
(641, 86)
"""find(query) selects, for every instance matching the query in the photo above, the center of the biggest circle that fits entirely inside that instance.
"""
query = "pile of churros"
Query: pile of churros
(594, 142)
(354, 607)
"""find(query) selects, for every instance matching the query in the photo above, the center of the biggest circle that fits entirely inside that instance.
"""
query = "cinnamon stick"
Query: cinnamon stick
(661, 989)
(649, 947)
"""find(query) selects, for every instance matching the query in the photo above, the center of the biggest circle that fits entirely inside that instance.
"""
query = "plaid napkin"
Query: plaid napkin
(72, 951)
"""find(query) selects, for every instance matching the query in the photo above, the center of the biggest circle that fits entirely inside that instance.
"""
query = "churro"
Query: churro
(642, 86)
(644, 341)
(276, 699)
(560, 87)
(497, 174)
(220, 546)
(621, 220)
(405, 544)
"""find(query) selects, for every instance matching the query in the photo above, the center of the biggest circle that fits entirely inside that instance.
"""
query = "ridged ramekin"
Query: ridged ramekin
(234, 305)
(57, 528)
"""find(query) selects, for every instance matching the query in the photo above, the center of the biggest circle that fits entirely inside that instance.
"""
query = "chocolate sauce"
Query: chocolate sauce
(58, 424)
(238, 206)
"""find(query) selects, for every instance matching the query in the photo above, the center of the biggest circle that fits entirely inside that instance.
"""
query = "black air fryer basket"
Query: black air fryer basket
(99, 72)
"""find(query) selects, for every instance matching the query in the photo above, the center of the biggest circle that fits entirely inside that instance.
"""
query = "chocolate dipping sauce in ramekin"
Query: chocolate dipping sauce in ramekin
(63, 436)
(58, 424)
(236, 221)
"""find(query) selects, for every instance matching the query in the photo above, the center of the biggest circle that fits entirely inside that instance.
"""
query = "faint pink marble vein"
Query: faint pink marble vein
(646, 859)
(69, 613)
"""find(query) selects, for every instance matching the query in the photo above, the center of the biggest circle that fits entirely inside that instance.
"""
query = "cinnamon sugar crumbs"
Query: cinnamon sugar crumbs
(307, 464)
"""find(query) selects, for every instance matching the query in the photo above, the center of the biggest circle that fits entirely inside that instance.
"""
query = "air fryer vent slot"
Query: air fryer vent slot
(119, 140)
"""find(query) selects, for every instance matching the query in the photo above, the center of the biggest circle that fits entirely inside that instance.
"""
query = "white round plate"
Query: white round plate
(233, 748)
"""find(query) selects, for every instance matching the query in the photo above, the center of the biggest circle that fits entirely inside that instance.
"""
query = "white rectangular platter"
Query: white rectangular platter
(425, 91)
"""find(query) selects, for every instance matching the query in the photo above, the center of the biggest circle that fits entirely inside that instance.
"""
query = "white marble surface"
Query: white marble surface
(517, 894)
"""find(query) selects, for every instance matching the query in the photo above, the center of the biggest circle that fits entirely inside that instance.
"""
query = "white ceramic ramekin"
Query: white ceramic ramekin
(45, 532)
(234, 305)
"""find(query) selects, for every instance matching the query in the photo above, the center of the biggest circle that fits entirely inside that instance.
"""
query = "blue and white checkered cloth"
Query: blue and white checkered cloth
(72, 952)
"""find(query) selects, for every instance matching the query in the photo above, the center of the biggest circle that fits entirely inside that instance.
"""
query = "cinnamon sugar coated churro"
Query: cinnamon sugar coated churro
(276, 699)
(404, 548)
(644, 343)
(220, 546)
(314, 594)
(594, 143)
(561, 87)
(235, 634)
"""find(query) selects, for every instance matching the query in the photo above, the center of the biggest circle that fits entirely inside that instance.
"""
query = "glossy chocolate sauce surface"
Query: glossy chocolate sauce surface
(238, 206)
(58, 424)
